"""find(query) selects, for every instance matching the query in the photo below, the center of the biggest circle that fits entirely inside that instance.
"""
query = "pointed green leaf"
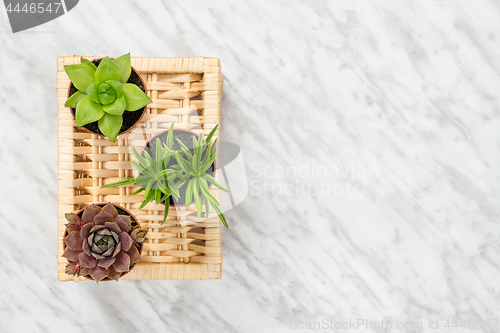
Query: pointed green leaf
(144, 203)
(140, 168)
(73, 100)
(138, 191)
(165, 213)
(116, 86)
(158, 155)
(186, 150)
(87, 112)
(207, 159)
(197, 201)
(80, 75)
(92, 92)
(195, 147)
(135, 97)
(213, 148)
(207, 165)
(110, 125)
(119, 183)
(211, 134)
(221, 216)
(166, 157)
(88, 63)
(189, 194)
(141, 159)
(207, 206)
(124, 67)
(213, 181)
(107, 70)
(206, 191)
(174, 189)
(150, 162)
(117, 107)
(170, 136)
(142, 180)
(157, 196)
(147, 199)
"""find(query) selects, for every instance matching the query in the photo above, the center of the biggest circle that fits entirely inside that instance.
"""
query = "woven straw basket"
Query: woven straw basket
(187, 91)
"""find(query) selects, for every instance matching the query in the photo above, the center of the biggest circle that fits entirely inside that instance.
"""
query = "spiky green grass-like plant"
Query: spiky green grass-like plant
(194, 165)
(155, 180)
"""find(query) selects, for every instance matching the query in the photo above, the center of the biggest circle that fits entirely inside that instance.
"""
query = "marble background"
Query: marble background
(369, 132)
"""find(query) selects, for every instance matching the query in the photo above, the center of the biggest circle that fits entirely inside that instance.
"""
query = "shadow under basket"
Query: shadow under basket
(187, 91)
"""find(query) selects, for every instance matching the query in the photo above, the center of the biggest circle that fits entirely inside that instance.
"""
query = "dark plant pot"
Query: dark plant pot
(130, 118)
(179, 133)
(121, 211)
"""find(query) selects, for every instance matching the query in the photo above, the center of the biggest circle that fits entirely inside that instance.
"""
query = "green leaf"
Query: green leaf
(189, 194)
(135, 97)
(186, 150)
(162, 186)
(185, 166)
(195, 149)
(117, 107)
(81, 75)
(87, 112)
(207, 165)
(197, 201)
(124, 67)
(221, 216)
(213, 149)
(150, 162)
(144, 203)
(207, 159)
(165, 213)
(147, 199)
(88, 63)
(142, 180)
(166, 157)
(158, 196)
(170, 136)
(117, 87)
(107, 70)
(73, 100)
(110, 125)
(92, 92)
(158, 154)
(174, 189)
(126, 181)
(149, 187)
(105, 93)
(138, 191)
(141, 159)
(140, 168)
(200, 144)
(211, 134)
(206, 191)
(207, 206)
(213, 181)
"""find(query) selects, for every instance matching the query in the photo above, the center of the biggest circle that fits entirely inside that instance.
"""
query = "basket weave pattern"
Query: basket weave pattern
(187, 91)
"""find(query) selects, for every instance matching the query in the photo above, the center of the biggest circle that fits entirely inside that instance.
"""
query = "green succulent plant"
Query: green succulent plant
(155, 180)
(103, 93)
(193, 165)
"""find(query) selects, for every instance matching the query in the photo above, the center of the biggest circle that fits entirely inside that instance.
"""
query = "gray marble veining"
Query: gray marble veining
(370, 133)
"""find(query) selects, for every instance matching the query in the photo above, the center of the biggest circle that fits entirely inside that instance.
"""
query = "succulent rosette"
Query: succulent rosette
(101, 243)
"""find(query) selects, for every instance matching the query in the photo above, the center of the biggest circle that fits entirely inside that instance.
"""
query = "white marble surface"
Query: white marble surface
(371, 136)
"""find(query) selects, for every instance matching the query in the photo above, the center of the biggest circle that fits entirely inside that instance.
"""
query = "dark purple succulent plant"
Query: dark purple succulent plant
(101, 243)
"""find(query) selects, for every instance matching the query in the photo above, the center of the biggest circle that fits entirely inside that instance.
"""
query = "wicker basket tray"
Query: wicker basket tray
(187, 91)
